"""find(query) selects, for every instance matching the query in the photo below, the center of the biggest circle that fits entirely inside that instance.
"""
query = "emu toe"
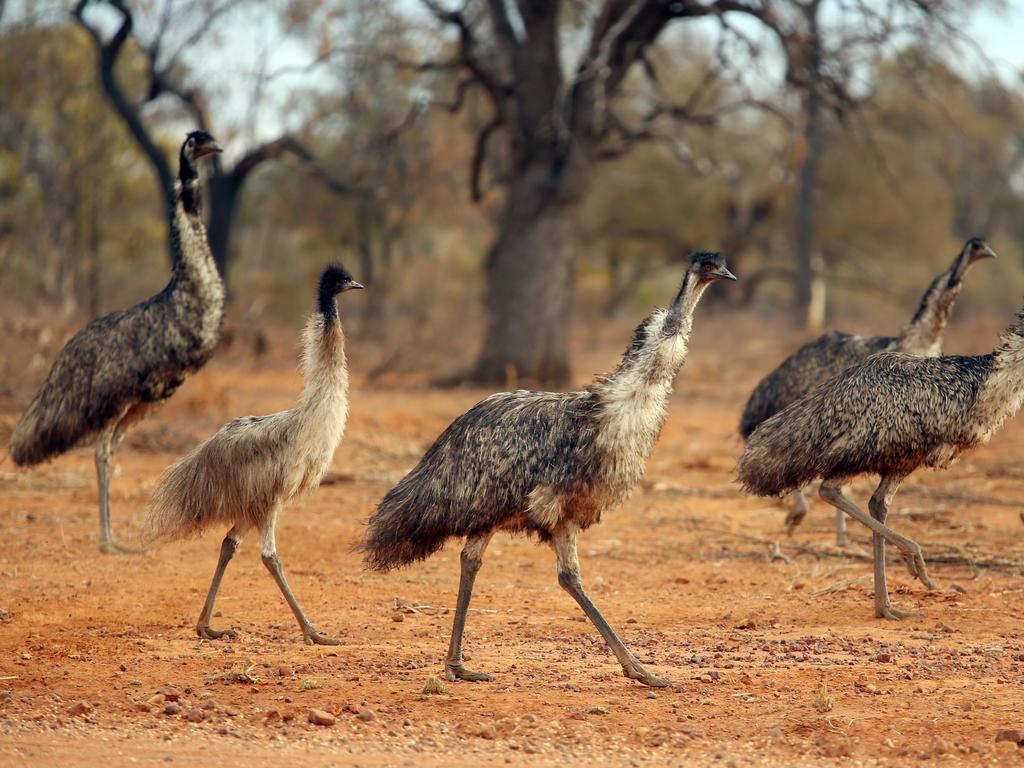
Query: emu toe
(113, 548)
(915, 564)
(890, 612)
(312, 637)
(209, 633)
(453, 672)
(634, 670)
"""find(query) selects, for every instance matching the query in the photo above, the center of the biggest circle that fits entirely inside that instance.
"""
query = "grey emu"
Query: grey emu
(244, 474)
(823, 358)
(887, 415)
(120, 365)
(542, 462)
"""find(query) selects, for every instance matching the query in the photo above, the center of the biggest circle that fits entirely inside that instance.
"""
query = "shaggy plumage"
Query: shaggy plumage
(823, 358)
(244, 474)
(829, 354)
(119, 365)
(887, 415)
(542, 462)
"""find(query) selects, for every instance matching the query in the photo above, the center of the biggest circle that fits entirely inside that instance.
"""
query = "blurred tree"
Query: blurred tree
(163, 70)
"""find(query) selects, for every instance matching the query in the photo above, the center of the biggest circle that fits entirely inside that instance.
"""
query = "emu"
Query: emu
(244, 474)
(887, 415)
(547, 463)
(823, 358)
(118, 367)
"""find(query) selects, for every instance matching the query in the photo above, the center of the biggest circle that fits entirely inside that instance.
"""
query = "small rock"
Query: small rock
(272, 714)
(172, 708)
(285, 671)
(366, 715)
(320, 717)
(194, 716)
(170, 693)
(1010, 734)
(957, 588)
(488, 732)
(597, 711)
(883, 658)
(141, 706)
(80, 708)
(209, 704)
(397, 617)
(231, 712)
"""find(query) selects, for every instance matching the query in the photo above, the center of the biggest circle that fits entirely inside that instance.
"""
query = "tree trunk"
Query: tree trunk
(528, 294)
(224, 189)
(810, 280)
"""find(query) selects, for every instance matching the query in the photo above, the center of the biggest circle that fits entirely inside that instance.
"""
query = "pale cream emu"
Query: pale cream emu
(245, 474)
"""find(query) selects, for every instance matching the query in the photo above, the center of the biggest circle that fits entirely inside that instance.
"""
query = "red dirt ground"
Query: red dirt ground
(774, 660)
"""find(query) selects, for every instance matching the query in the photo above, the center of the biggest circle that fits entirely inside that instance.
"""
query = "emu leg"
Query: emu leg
(228, 547)
(797, 511)
(471, 559)
(879, 506)
(565, 540)
(832, 491)
(105, 447)
(268, 546)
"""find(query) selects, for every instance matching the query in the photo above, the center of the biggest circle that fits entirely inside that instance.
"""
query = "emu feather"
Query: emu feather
(244, 474)
(888, 415)
(543, 462)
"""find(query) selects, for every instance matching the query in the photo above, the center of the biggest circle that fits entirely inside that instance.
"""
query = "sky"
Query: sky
(1001, 34)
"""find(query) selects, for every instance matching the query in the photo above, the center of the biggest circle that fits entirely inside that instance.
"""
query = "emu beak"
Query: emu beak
(985, 252)
(353, 284)
(208, 148)
(725, 274)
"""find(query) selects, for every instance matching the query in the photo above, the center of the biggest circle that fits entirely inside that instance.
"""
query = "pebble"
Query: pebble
(488, 732)
(397, 617)
(194, 716)
(80, 708)
(1013, 735)
(366, 715)
(171, 708)
(320, 717)
(170, 693)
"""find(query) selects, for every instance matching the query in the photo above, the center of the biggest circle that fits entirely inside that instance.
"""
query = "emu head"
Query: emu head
(974, 250)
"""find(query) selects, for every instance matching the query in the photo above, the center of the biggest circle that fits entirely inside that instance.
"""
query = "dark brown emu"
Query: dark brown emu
(542, 462)
(887, 415)
(823, 358)
(119, 366)
(245, 473)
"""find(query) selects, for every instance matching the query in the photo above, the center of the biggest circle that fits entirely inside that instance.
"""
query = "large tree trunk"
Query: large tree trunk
(528, 294)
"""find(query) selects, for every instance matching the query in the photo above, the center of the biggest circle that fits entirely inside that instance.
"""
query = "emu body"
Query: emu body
(542, 462)
(821, 359)
(888, 415)
(243, 475)
(117, 367)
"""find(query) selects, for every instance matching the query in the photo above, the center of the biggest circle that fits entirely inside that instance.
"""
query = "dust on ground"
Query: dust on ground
(770, 641)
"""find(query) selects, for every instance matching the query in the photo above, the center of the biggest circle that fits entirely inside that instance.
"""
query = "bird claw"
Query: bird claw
(209, 633)
(887, 611)
(916, 565)
(113, 548)
(634, 670)
(312, 637)
(453, 672)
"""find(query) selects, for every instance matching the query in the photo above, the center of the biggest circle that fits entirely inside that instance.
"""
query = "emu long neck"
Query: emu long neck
(923, 334)
(324, 400)
(634, 397)
(1003, 390)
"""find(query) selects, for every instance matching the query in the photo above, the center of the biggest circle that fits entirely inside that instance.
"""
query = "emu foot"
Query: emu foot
(209, 633)
(312, 637)
(113, 548)
(453, 672)
(916, 566)
(888, 611)
(634, 670)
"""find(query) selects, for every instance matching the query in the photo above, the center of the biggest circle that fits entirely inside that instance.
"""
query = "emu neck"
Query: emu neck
(923, 334)
(1003, 391)
(324, 368)
(634, 397)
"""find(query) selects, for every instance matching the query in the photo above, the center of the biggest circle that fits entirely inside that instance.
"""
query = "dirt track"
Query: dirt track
(773, 661)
